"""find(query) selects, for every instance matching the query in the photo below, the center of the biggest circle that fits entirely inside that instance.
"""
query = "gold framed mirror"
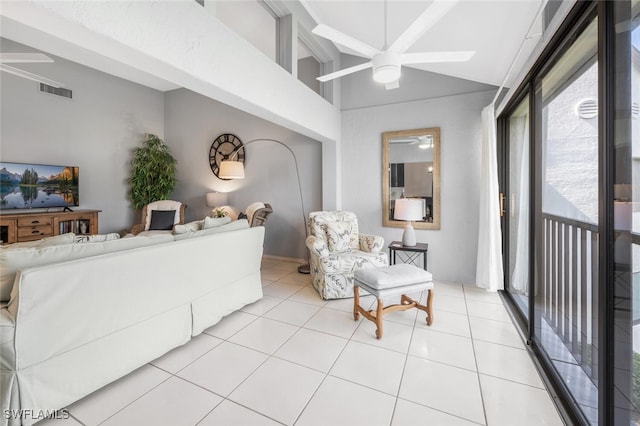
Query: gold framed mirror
(411, 169)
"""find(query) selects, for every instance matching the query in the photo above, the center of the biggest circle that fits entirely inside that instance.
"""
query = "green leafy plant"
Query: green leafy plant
(153, 172)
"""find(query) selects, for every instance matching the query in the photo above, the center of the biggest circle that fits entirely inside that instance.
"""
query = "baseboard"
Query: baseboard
(283, 258)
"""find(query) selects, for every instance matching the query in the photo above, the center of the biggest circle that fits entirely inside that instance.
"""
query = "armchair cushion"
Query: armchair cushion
(162, 220)
(348, 263)
(338, 236)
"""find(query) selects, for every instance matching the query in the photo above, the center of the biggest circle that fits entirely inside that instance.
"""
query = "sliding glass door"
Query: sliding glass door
(570, 173)
(518, 206)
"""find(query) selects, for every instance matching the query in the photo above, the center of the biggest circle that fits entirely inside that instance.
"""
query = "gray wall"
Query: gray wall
(96, 130)
(453, 248)
(193, 121)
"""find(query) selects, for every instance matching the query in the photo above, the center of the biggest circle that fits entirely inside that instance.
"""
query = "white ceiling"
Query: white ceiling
(493, 29)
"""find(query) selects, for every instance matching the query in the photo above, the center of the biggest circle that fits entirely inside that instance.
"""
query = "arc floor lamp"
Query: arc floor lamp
(232, 169)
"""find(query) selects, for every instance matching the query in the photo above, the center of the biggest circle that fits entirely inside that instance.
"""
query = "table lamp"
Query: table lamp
(408, 209)
(217, 199)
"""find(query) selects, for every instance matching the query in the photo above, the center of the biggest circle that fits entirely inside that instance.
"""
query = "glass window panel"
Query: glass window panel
(309, 68)
(567, 287)
(519, 205)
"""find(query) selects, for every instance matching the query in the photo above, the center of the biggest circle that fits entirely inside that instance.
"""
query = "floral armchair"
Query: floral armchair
(337, 250)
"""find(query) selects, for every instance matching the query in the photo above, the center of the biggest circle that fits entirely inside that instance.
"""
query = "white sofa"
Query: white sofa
(71, 327)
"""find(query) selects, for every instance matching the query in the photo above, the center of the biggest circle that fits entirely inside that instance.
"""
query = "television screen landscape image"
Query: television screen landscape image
(31, 186)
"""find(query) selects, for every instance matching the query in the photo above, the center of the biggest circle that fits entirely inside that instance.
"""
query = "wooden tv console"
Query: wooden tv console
(20, 227)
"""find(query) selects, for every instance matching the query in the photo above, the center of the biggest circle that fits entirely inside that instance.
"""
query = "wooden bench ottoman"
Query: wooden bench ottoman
(391, 281)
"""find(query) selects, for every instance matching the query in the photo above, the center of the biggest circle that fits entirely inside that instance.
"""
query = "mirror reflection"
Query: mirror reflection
(411, 170)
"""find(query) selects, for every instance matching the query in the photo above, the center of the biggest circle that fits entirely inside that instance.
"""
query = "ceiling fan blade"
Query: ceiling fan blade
(433, 57)
(345, 71)
(345, 40)
(429, 17)
(15, 58)
(392, 85)
(30, 76)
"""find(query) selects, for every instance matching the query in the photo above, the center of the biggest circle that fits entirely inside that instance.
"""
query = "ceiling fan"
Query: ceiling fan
(386, 63)
(23, 58)
(422, 141)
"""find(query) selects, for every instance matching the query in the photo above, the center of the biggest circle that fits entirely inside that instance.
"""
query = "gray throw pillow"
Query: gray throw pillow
(162, 220)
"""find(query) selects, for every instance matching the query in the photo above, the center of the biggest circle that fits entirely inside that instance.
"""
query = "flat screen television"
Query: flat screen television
(33, 186)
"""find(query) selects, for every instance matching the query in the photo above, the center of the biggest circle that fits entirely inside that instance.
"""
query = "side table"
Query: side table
(408, 254)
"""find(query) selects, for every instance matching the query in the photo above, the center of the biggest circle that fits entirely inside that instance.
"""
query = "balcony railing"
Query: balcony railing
(569, 288)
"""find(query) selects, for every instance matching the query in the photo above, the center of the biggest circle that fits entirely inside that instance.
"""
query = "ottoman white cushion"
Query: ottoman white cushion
(394, 291)
(392, 276)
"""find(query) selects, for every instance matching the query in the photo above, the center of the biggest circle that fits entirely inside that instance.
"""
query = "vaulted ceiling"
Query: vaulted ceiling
(494, 29)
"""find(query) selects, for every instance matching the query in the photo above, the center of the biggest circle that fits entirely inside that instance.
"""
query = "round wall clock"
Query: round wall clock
(222, 148)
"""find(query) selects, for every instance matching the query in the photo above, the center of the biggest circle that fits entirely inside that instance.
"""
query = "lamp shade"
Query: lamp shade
(215, 199)
(231, 170)
(408, 209)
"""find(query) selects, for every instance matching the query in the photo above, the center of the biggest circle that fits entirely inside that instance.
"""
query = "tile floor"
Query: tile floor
(294, 359)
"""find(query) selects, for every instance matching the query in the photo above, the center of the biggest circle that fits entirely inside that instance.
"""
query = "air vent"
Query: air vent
(635, 110)
(587, 109)
(59, 91)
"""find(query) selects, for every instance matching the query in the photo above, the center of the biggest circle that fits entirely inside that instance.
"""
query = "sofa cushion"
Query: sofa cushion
(21, 258)
(214, 222)
(232, 226)
(57, 240)
(338, 236)
(98, 238)
(196, 225)
(162, 220)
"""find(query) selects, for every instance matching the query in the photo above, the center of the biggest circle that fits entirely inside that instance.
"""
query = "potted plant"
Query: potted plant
(153, 172)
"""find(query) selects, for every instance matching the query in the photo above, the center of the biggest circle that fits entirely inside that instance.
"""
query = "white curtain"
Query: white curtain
(489, 265)
(520, 276)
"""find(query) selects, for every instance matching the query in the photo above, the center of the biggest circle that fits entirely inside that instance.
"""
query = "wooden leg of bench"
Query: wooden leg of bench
(429, 307)
(356, 303)
(379, 319)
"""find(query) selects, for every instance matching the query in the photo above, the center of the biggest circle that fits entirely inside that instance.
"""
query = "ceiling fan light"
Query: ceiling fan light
(386, 67)
(386, 73)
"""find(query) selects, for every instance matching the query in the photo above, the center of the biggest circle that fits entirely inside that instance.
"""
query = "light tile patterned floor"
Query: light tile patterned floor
(295, 359)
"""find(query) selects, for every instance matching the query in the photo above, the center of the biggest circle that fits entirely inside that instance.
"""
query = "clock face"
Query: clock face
(222, 148)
